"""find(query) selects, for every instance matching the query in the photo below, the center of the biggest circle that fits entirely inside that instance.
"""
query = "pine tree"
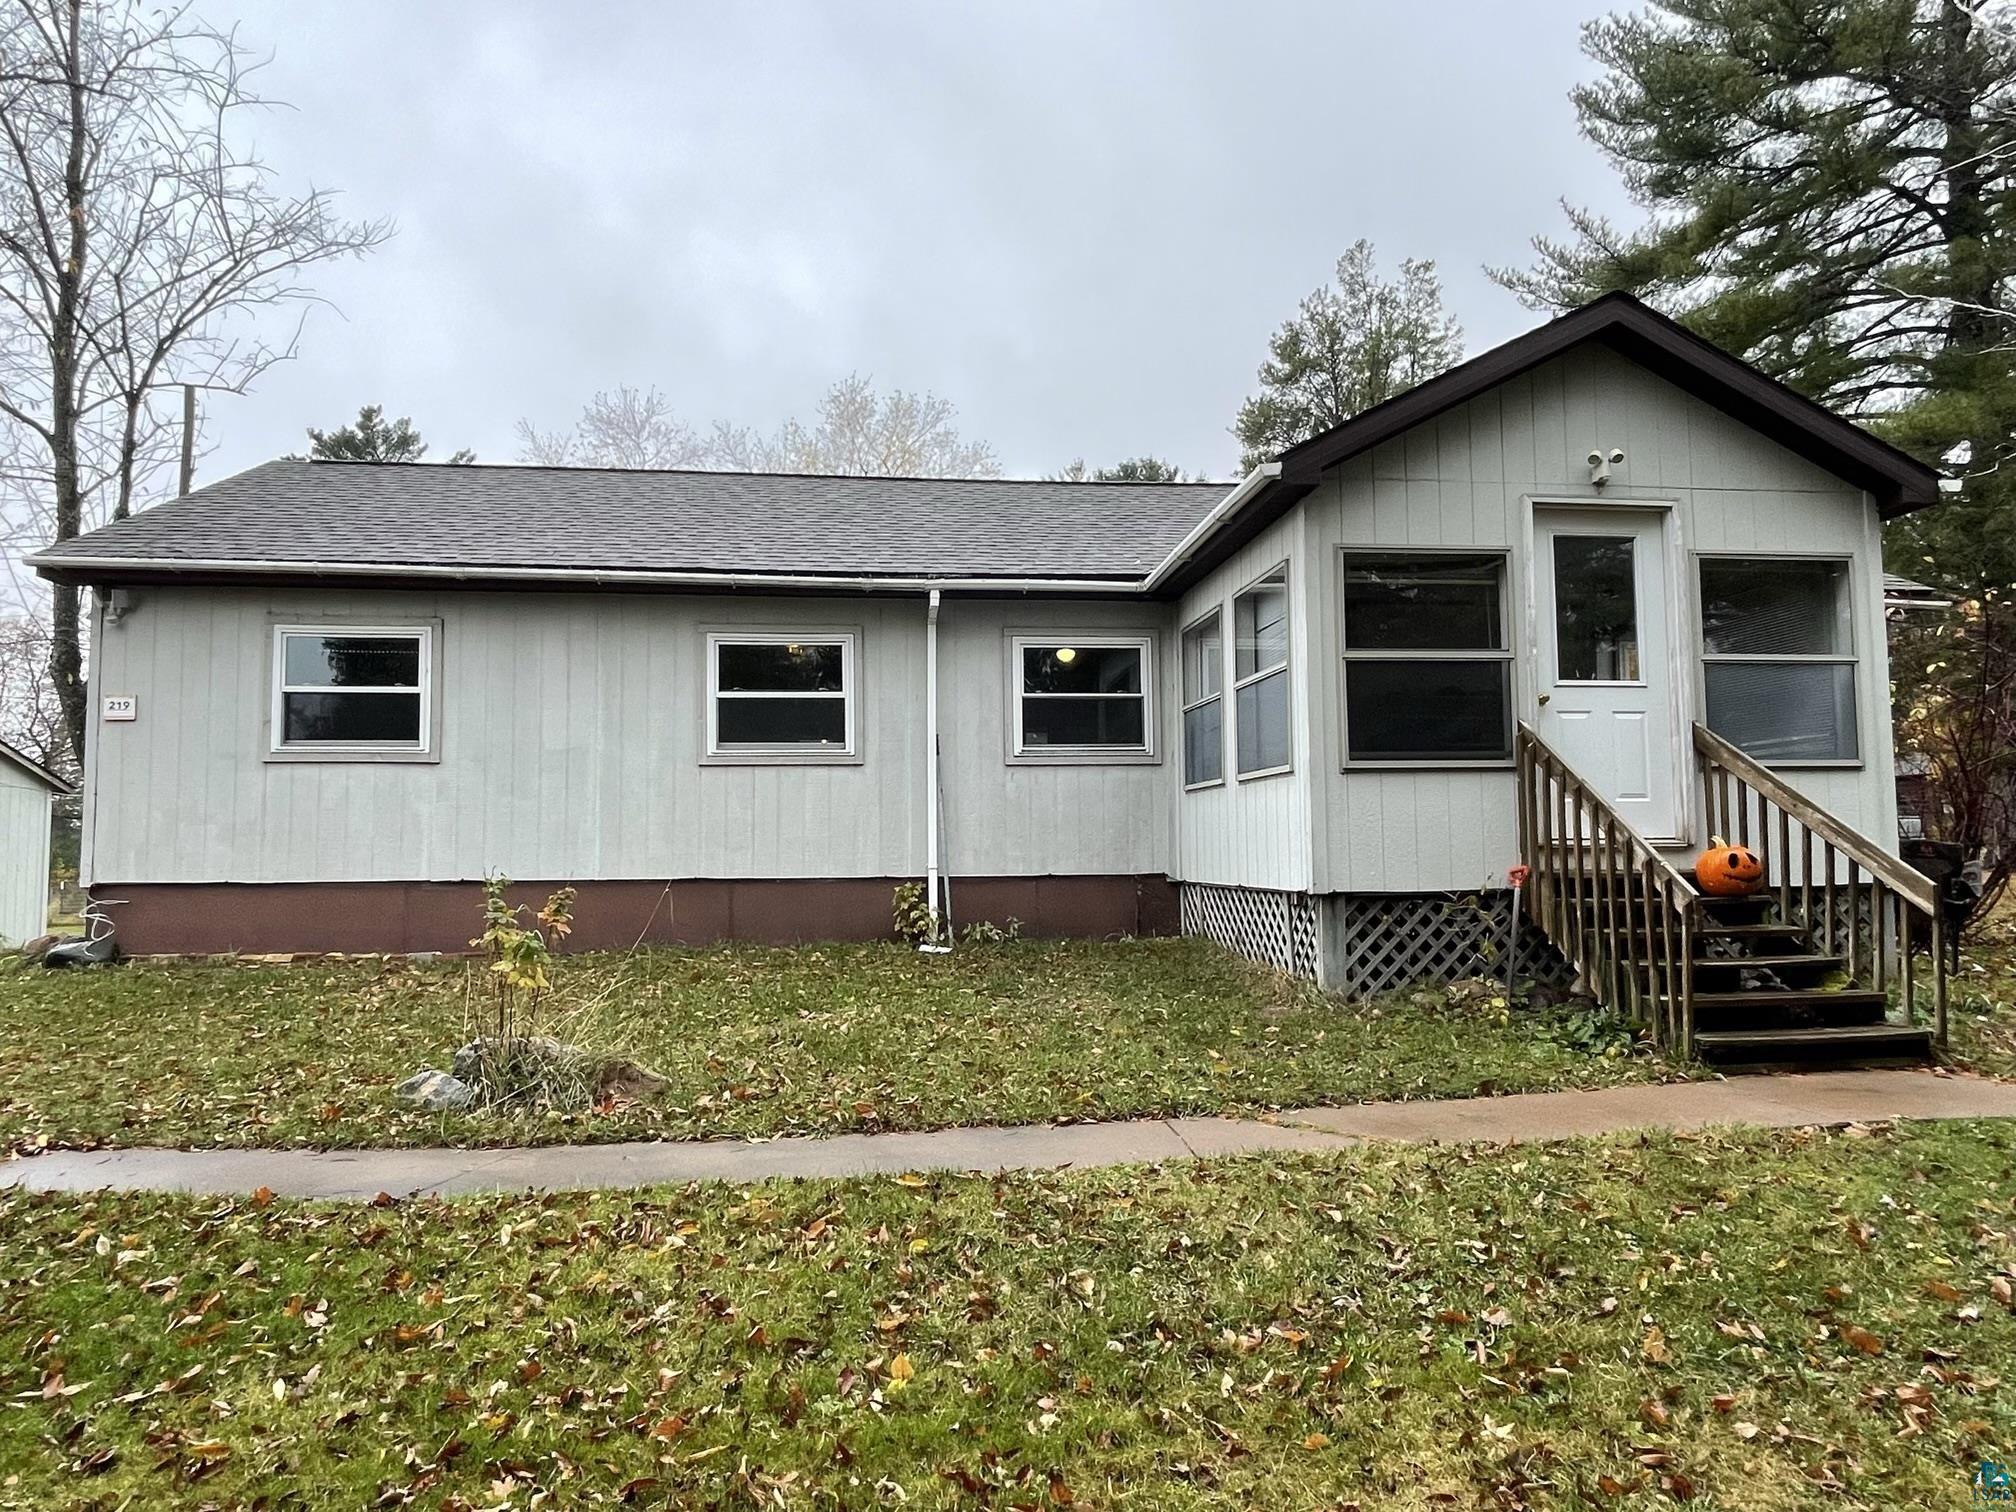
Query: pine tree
(1141, 469)
(1347, 348)
(373, 439)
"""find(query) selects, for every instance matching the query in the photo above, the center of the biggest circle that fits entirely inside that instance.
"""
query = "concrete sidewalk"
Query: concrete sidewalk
(1836, 1097)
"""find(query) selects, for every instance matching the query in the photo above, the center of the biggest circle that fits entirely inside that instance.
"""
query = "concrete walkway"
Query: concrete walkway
(1836, 1097)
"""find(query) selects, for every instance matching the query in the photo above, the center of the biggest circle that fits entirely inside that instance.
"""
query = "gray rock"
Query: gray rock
(434, 1091)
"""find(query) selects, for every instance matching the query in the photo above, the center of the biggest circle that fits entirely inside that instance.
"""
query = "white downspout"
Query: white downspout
(931, 764)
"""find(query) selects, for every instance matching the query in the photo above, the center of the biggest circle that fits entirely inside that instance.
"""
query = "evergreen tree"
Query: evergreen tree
(374, 439)
(1142, 469)
(1347, 348)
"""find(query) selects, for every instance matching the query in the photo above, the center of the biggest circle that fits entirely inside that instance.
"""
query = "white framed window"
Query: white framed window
(1260, 675)
(1204, 700)
(362, 691)
(1082, 697)
(1427, 658)
(1778, 657)
(781, 696)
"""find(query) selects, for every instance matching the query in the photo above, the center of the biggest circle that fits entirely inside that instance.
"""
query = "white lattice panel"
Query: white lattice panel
(1389, 942)
(1277, 929)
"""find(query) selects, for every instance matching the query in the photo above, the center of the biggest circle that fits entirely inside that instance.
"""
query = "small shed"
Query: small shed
(26, 788)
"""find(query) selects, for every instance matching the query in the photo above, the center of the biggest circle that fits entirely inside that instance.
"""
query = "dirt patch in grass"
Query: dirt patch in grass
(1755, 1320)
(755, 1042)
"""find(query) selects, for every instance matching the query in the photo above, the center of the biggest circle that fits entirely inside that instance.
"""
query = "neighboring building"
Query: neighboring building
(26, 790)
(1282, 713)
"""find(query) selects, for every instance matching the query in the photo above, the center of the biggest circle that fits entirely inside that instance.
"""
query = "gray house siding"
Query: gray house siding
(572, 744)
(24, 854)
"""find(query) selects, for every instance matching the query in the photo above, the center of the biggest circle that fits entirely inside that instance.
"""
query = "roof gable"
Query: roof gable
(33, 768)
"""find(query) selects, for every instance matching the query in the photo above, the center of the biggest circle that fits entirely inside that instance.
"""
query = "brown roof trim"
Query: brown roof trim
(1899, 481)
(34, 768)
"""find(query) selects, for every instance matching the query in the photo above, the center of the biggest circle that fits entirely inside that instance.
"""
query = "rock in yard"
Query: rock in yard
(434, 1091)
(542, 1048)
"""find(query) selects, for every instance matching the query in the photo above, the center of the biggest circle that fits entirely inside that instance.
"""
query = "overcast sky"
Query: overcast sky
(1078, 222)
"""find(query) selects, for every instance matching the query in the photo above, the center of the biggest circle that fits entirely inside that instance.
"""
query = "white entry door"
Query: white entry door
(1605, 670)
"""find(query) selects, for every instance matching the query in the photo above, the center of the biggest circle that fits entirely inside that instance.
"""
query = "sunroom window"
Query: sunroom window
(1082, 695)
(1204, 701)
(1427, 666)
(1260, 674)
(780, 695)
(358, 689)
(1778, 656)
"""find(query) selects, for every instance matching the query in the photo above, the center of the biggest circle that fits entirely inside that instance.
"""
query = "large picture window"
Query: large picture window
(1204, 701)
(352, 689)
(1260, 675)
(1082, 696)
(780, 695)
(1778, 656)
(1427, 663)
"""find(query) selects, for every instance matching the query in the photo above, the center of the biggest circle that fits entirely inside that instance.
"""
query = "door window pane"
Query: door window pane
(1425, 603)
(1263, 723)
(1595, 609)
(1785, 711)
(1427, 710)
(1774, 607)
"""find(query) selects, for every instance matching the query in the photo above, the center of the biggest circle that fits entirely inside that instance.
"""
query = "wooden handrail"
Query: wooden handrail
(1910, 884)
(1676, 877)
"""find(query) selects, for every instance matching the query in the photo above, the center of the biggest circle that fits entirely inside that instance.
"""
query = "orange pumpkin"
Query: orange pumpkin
(1728, 871)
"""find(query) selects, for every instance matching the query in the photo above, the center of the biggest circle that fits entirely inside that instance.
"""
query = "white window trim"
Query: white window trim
(785, 755)
(1347, 654)
(1261, 674)
(1851, 658)
(279, 748)
(1081, 755)
(1215, 614)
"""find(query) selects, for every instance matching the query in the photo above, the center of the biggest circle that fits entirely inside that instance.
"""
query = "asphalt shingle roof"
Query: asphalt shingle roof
(605, 519)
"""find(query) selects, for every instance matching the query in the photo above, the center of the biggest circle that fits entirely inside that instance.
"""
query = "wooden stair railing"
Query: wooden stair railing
(1853, 898)
(1623, 915)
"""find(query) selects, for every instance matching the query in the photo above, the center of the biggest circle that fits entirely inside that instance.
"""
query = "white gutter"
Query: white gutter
(1247, 486)
(264, 568)
(931, 762)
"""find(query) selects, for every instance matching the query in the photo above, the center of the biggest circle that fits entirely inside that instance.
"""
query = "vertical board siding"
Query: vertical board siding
(1464, 479)
(572, 735)
(24, 855)
(1253, 833)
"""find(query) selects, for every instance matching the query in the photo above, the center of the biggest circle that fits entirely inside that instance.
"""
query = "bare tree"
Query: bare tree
(627, 428)
(140, 245)
(859, 433)
(31, 718)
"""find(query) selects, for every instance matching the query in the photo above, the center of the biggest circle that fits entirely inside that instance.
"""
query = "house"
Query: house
(1285, 713)
(26, 788)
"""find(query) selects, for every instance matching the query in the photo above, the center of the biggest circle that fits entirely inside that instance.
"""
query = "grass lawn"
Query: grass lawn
(1981, 1003)
(755, 1042)
(1755, 1320)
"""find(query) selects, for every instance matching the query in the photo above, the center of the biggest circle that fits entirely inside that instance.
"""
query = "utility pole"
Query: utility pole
(188, 438)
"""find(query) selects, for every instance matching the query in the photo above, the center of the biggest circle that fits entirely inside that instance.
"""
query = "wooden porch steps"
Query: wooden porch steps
(1816, 968)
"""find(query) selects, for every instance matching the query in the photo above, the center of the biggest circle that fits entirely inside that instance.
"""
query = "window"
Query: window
(1084, 696)
(1595, 609)
(1779, 662)
(1427, 668)
(1260, 674)
(352, 689)
(1204, 701)
(782, 695)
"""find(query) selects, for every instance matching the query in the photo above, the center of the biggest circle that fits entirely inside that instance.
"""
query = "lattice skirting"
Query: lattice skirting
(1381, 942)
(1277, 929)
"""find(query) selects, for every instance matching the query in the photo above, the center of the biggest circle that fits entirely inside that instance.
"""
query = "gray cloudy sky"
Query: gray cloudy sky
(1079, 222)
